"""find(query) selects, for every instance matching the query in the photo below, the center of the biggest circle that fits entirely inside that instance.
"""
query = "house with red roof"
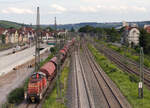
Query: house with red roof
(23, 35)
(147, 28)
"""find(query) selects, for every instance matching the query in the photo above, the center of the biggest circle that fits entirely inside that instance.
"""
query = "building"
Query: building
(24, 35)
(147, 28)
(130, 36)
(47, 36)
(124, 24)
(2, 32)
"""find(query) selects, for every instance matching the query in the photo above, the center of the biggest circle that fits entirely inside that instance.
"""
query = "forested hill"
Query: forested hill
(102, 25)
(8, 24)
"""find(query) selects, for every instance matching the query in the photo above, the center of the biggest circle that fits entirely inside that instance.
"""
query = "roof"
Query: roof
(2, 30)
(147, 29)
(129, 28)
(63, 51)
(12, 30)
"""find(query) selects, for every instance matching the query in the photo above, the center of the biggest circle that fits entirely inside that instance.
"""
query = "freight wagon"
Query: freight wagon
(40, 81)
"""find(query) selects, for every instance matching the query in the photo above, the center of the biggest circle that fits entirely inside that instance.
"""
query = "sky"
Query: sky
(74, 11)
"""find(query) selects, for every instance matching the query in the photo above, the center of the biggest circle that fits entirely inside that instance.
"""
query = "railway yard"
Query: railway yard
(88, 85)
(20, 73)
(92, 86)
(124, 63)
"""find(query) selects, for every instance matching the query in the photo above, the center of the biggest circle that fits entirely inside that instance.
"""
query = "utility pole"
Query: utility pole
(141, 83)
(55, 24)
(37, 40)
(58, 57)
(55, 32)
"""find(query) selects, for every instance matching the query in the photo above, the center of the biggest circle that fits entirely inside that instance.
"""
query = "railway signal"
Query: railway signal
(141, 73)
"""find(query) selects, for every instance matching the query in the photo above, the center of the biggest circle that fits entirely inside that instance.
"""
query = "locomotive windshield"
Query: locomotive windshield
(36, 76)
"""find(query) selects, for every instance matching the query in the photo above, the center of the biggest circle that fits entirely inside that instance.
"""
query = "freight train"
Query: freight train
(40, 81)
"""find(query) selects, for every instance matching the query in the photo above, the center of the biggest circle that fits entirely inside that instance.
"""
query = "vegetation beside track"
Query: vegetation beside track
(51, 100)
(127, 83)
(128, 52)
(17, 95)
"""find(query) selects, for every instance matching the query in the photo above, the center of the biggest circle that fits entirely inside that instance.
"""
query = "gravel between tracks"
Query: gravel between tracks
(112, 94)
(88, 88)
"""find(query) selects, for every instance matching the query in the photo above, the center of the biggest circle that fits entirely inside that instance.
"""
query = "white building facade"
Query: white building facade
(133, 36)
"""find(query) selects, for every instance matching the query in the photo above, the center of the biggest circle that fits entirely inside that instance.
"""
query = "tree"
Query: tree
(113, 35)
(3, 38)
(72, 29)
(86, 29)
(49, 29)
(145, 41)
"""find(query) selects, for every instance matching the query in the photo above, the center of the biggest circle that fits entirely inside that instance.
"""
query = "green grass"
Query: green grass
(51, 101)
(127, 83)
(127, 52)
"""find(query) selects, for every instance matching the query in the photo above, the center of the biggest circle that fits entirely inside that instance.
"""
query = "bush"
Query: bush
(52, 50)
(133, 78)
(147, 62)
(26, 84)
(16, 96)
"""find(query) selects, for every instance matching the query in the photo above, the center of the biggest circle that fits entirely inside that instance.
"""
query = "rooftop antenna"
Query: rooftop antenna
(37, 41)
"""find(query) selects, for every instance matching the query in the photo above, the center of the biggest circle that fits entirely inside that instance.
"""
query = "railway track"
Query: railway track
(82, 97)
(48, 91)
(77, 102)
(130, 66)
(111, 95)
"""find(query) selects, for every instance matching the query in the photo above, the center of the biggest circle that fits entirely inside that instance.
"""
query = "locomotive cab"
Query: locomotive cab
(36, 85)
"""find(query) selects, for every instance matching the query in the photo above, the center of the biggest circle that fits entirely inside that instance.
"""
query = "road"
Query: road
(5, 52)
(7, 63)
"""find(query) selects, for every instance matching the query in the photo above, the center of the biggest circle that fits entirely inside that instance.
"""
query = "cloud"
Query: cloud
(103, 8)
(15, 10)
(90, 0)
(88, 9)
(58, 8)
(55, 12)
(142, 9)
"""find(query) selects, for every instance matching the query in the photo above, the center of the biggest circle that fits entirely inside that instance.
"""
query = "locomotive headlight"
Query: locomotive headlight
(25, 95)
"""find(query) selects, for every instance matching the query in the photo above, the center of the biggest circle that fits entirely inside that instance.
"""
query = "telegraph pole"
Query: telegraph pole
(55, 33)
(141, 73)
(37, 40)
(58, 61)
